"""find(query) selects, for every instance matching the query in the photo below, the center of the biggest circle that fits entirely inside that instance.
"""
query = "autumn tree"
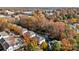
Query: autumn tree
(66, 45)
(44, 45)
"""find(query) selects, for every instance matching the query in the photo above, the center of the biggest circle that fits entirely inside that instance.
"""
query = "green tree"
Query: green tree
(56, 46)
(73, 43)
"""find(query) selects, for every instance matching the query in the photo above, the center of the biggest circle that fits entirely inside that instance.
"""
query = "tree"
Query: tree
(44, 45)
(62, 35)
(34, 41)
(77, 26)
(77, 40)
(33, 45)
(66, 45)
(72, 33)
(56, 45)
(26, 39)
(73, 42)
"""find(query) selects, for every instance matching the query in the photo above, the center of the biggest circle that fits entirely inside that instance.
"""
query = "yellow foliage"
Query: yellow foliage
(34, 42)
(63, 35)
(74, 20)
(77, 26)
(9, 26)
(44, 45)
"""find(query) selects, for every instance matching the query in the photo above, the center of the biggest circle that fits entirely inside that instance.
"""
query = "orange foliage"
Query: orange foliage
(19, 29)
(26, 39)
(66, 44)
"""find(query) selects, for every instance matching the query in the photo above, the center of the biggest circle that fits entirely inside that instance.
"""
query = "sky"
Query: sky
(39, 3)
